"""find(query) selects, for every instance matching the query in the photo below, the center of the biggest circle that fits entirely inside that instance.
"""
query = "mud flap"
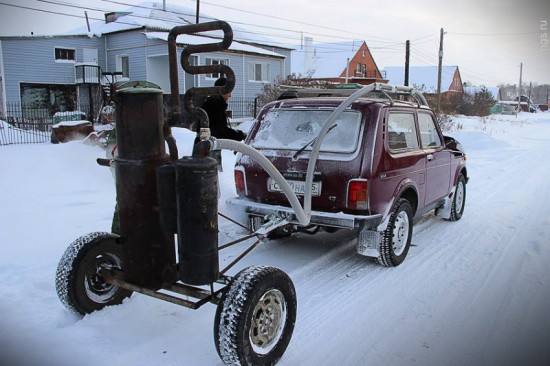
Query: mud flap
(444, 211)
(368, 242)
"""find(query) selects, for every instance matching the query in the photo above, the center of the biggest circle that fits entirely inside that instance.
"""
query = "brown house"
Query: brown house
(347, 62)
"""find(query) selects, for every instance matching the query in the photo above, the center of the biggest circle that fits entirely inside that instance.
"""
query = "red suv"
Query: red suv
(383, 162)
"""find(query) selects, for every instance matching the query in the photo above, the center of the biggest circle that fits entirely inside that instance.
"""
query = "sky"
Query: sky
(488, 40)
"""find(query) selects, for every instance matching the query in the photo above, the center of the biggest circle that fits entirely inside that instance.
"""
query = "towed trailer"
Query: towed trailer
(161, 196)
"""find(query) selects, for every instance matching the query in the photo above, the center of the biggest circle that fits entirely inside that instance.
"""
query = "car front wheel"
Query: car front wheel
(459, 199)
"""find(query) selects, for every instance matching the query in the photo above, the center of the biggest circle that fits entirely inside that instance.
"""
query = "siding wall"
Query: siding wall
(32, 60)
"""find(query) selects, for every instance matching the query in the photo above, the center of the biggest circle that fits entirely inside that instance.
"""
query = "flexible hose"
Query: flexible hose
(269, 168)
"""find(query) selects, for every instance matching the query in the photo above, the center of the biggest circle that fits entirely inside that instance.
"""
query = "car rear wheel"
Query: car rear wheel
(397, 237)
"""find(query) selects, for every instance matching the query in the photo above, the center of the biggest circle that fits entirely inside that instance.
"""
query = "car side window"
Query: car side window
(402, 131)
(428, 131)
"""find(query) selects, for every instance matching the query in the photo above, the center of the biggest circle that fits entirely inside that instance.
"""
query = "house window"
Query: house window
(123, 65)
(258, 72)
(216, 61)
(65, 54)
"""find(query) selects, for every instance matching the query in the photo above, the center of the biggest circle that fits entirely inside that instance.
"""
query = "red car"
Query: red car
(382, 163)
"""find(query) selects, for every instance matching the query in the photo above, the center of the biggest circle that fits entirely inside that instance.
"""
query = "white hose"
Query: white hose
(303, 215)
(270, 169)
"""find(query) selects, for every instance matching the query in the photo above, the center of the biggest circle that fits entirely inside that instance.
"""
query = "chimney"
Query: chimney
(309, 56)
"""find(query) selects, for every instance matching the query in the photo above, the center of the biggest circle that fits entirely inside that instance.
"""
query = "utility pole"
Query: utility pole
(407, 56)
(439, 70)
(198, 7)
(519, 88)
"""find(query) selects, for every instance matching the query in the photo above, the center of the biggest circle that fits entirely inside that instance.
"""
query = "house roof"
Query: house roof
(422, 77)
(151, 15)
(323, 60)
(190, 39)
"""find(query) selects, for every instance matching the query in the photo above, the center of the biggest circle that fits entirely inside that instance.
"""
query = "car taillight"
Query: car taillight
(358, 195)
(240, 182)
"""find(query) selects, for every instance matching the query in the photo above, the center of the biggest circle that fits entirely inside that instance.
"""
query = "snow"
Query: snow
(421, 77)
(472, 292)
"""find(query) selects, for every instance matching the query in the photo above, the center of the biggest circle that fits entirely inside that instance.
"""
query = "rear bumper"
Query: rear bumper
(339, 219)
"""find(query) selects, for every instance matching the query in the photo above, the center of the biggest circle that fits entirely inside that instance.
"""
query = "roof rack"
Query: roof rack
(385, 91)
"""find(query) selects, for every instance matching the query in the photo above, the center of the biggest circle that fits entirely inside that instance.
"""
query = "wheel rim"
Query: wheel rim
(96, 288)
(459, 197)
(400, 233)
(268, 321)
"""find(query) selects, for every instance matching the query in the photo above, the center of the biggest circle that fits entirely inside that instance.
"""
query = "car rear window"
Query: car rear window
(292, 129)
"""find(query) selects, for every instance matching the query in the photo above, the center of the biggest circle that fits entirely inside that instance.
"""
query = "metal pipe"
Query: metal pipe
(194, 70)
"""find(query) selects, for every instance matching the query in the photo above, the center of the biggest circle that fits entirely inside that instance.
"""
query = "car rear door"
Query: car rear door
(438, 158)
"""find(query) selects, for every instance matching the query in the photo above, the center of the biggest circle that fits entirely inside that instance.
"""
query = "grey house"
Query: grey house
(65, 72)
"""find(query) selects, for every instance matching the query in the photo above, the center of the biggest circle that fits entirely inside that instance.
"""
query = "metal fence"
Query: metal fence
(242, 107)
(27, 124)
(22, 124)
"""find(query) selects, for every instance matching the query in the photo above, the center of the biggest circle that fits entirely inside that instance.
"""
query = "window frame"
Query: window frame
(68, 51)
(410, 134)
(120, 66)
(264, 71)
(440, 142)
(208, 61)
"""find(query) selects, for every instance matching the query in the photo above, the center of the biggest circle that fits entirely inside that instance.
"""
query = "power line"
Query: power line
(492, 34)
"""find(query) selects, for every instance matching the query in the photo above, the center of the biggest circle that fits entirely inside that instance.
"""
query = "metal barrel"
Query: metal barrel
(166, 187)
(148, 251)
(197, 201)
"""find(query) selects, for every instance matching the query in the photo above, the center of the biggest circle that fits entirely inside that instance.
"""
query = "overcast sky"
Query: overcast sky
(487, 39)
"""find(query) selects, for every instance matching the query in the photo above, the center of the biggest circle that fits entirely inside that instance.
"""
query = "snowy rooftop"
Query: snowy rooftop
(421, 77)
(323, 60)
(194, 39)
(153, 16)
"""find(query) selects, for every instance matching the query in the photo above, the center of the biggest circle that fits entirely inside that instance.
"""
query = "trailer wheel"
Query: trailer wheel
(78, 282)
(397, 237)
(255, 317)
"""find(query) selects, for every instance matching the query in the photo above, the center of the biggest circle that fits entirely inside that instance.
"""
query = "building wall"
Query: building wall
(32, 60)
(456, 83)
(362, 57)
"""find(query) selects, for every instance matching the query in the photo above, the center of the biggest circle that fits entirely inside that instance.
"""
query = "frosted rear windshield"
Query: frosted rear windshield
(291, 129)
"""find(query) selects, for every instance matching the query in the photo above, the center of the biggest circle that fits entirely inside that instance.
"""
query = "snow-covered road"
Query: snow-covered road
(472, 292)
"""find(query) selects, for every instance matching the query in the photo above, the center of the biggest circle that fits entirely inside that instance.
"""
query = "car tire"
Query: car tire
(78, 282)
(255, 317)
(396, 239)
(459, 199)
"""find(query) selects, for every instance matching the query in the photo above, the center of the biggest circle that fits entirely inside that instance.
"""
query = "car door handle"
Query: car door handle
(430, 157)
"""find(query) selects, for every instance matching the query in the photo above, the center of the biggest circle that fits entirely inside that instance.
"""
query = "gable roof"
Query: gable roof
(151, 15)
(191, 39)
(422, 77)
(323, 60)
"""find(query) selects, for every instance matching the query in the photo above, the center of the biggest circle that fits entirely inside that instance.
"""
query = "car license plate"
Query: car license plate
(298, 187)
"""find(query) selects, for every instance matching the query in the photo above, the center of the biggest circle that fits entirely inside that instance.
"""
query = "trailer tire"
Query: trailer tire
(78, 283)
(255, 317)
